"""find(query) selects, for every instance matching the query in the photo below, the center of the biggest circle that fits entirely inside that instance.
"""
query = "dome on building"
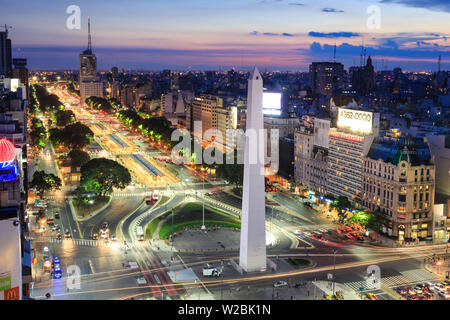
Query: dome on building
(7, 151)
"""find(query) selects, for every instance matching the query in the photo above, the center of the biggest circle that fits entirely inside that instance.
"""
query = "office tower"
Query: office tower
(326, 77)
(89, 84)
(5, 54)
(349, 143)
(252, 254)
(20, 70)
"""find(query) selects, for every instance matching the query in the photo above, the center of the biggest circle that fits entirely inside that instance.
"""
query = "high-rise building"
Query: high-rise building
(5, 54)
(399, 184)
(325, 77)
(363, 78)
(20, 70)
(349, 143)
(15, 266)
(89, 84)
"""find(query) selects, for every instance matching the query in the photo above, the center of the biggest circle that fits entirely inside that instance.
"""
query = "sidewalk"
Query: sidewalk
(327, 288)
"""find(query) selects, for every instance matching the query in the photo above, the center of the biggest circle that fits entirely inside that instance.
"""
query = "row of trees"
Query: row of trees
(73, 136)
(101, 104)
(38, 134)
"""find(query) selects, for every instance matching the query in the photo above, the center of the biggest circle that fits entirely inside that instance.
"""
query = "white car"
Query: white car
(280, 284)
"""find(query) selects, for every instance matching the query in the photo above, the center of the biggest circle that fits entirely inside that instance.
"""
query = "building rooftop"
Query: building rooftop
(413, 150)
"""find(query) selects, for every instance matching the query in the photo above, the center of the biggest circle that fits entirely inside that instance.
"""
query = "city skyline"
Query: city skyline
(275, 35)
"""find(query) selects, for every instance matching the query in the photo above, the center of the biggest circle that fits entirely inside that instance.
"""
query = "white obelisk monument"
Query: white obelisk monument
(252, 254)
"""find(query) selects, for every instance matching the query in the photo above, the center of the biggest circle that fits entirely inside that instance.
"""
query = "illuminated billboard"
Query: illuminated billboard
(355, 120)
(272, 103)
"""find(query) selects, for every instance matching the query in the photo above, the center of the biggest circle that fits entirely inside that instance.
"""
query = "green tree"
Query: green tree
(64, 117)
(44, 182)
(76, 136)
(101, 175)
(341, 205)
(78, 158)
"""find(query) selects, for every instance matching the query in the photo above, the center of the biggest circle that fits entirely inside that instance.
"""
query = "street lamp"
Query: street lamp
(203, 203)
(334, 269)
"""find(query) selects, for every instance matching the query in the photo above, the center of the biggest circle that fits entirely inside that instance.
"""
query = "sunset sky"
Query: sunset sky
(209, 34)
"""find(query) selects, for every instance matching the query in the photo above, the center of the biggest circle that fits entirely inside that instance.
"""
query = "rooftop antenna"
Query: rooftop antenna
(439, 64)
(364, 57)
(89, 35)
(6, 29)
(334, 57)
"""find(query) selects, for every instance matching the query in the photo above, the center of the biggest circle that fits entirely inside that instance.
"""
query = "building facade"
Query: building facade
(399, 185)
(349, 143)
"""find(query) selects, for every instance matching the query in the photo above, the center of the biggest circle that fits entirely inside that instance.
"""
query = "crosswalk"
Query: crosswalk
(98, 243)
(408, 277)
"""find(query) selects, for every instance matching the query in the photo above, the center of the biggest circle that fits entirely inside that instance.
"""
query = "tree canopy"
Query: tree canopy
(44, 182)
(64, 117)
(101, 175)
(341, 204)
(78, 158)
(73, 136)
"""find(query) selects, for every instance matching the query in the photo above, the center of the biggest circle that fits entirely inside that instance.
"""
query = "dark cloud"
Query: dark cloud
(440, 5)
(389, 49)
(332, 10)
(333, 34)
(284, 34)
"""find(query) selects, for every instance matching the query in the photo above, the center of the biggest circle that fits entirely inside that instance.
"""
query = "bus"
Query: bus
(155, 195)
(139, 233)
(148, 198)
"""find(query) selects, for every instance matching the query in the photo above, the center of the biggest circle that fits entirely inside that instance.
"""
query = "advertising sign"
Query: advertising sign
(271, 103)
(355, 120)
(5, 281)
(12, 294)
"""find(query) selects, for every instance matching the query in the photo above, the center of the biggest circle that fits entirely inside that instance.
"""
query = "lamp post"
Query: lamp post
(334, 268)
(203, 203)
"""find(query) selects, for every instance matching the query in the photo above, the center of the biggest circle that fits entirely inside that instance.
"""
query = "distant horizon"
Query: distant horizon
(205, 35)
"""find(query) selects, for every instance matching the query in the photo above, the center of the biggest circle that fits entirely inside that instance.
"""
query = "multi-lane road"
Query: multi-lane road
(115, 270)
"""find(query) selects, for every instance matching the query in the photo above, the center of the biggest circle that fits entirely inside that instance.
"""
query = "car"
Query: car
(58, 236)
(412, 291)
(57, 273)
(371, 296)
(57, 215)
(105, 225)
(50, 222)
(444, 294)
(55, 227)
(402, 291)
(95, 236)
(418, 289)
(113, 238)
(280, 284)
(67, 234)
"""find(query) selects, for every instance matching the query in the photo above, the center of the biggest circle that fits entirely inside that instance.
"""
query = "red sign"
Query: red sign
(345, 136)
(12, 294)
(401, 216)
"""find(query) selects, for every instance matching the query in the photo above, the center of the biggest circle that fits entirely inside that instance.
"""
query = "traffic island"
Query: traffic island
(85, 210)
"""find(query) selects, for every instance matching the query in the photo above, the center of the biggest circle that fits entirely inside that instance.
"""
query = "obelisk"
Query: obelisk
(252, 254)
